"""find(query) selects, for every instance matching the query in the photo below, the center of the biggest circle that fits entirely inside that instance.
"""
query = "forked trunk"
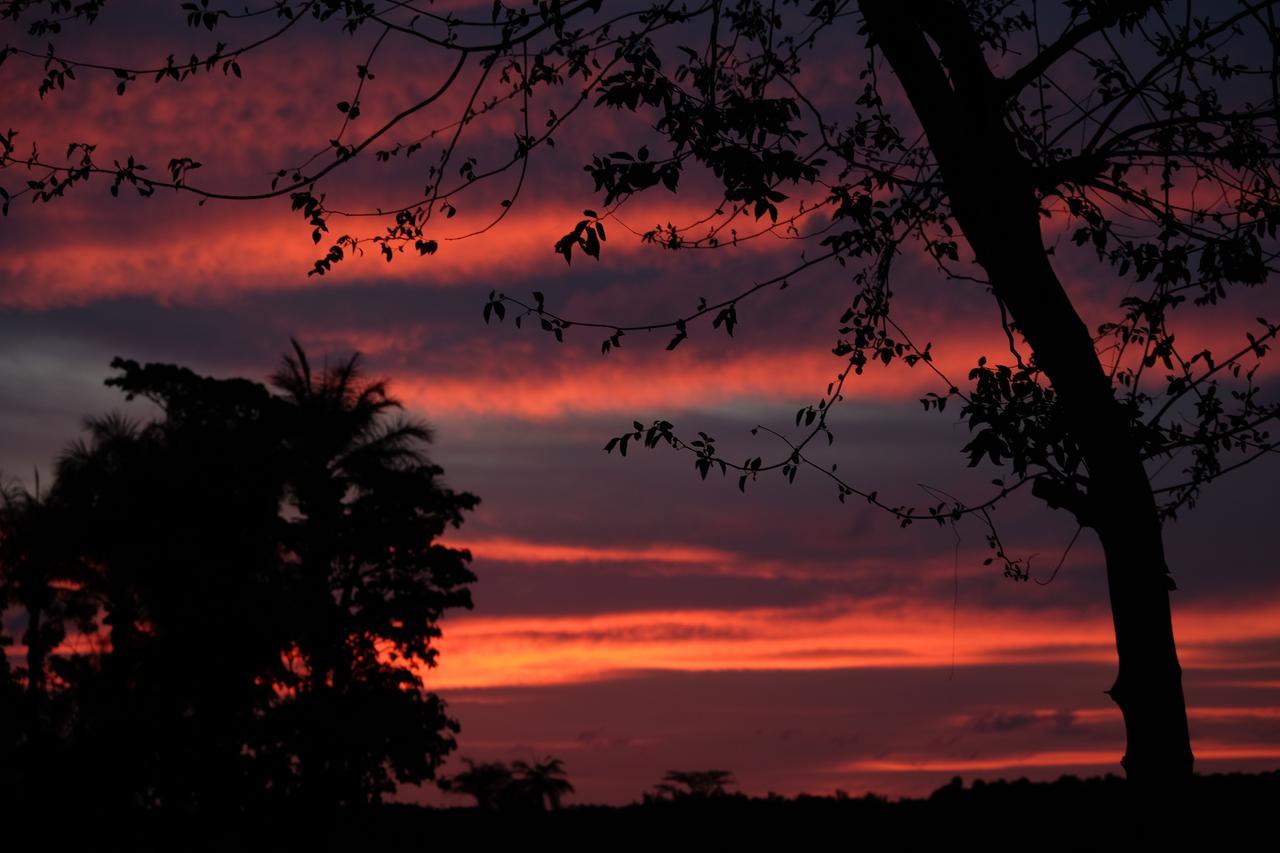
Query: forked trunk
(992, 190)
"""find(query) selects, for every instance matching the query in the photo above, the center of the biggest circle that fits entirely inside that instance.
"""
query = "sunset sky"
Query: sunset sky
(629, 618)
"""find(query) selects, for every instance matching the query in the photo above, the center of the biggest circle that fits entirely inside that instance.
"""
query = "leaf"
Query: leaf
(592, 244)
(680, 335)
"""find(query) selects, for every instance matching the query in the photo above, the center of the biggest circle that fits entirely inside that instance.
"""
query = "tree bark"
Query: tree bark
(961, 106)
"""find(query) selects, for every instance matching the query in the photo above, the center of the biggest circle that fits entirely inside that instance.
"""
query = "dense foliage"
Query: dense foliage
(233, 604)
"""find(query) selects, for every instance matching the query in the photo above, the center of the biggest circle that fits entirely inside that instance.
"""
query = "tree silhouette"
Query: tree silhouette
(176, 522)
(694, 784)
(520, 786)
(202, 555)
(987, 137)
(490, 783)
(39, 574)
(370, 507)
(543, 782)
(39, 577)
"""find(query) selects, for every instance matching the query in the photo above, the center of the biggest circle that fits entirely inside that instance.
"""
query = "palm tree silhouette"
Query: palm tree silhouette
(101, 478)
(339, 444)
(39, 574)
(340, 421)
(490, 783)
(364, 507)
(695, 784)
(522, 786)
(542, 783)
(25, 577)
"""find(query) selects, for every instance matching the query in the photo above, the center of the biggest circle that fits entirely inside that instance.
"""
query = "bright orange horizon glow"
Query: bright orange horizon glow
(507, 549)
(482, 651)
(1208, 751)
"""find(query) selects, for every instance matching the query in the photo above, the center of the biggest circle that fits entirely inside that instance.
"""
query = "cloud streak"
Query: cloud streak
(482, 651)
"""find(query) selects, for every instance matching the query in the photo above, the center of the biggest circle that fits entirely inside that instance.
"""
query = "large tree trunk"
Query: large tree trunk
(960, 105)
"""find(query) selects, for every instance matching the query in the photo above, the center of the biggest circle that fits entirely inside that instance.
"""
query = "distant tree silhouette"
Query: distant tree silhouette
(694, 784)
(489, 782)
(985, 138)
(259, 575)
(521, 786)
(543, 782)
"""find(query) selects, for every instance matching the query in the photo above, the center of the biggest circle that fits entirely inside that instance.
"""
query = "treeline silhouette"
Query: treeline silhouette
(1215, 812)
(1219, 812)
(698, 809)
(228, 609)
(521, 786)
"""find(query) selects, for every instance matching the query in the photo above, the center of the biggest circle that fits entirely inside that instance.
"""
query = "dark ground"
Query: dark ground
(1219, 812)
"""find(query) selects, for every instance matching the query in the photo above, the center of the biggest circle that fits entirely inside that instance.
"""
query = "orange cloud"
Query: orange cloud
(883, 632)
(88, 247)
(662, 384)
(522, 551)
(488, 652)
(677, 558)
(1058, 759)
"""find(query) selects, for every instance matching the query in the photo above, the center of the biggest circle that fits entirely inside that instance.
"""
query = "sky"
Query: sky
(629, 618)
